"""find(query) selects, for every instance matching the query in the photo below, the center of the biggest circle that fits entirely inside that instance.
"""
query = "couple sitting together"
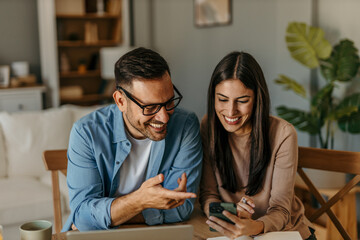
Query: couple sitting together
(142, 159)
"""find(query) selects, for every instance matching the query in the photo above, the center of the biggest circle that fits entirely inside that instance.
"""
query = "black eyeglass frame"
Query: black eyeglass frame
(160, 105)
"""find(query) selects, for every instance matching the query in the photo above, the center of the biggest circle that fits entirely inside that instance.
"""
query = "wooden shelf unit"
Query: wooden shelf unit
(79, 39)
(100, 43)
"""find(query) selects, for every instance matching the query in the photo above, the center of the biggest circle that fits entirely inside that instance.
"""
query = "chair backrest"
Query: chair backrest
(329, 160)
(55, 161)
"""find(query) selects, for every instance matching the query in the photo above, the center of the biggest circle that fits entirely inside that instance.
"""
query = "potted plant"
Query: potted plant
(337, 64)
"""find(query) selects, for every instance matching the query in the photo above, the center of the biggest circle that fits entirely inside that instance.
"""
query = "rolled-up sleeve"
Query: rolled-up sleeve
(90, 209)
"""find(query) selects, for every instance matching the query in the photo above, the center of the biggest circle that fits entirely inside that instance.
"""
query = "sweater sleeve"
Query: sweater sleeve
(278, 213)
(208, 184)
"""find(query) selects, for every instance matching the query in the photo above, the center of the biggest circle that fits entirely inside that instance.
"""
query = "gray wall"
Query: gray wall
(258, 27)
(340, 19)
(167, 26)
(19, 35)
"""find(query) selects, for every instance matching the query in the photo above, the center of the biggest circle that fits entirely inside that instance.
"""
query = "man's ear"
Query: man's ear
(120, 100)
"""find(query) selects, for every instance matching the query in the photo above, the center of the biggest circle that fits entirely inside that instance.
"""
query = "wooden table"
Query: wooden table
(197, 219)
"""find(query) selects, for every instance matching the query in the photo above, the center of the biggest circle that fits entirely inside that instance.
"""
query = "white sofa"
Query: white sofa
(25, 185)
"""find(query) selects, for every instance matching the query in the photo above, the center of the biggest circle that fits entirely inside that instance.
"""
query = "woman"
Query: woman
(250, 158)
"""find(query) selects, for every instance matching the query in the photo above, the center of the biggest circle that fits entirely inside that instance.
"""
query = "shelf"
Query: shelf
(87, 16)
(26, 88)
(80, 37)
(75, 74)
(101, 43)
(89, 98)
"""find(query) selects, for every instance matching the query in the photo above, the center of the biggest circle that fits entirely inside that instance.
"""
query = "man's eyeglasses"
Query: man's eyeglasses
(151, 109)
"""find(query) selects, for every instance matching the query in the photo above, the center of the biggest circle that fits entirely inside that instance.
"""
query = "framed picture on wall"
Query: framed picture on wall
(212, 12)
(4, 76)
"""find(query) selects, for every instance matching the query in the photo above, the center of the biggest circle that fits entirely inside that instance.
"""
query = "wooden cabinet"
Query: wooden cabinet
(21, 99)
(79, 39)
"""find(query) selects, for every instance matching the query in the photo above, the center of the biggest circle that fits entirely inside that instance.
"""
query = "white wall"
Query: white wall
(19, 40)
(258, 27)
(340, 19)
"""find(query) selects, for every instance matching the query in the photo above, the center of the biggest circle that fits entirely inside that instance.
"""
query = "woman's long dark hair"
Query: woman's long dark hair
(242, 66)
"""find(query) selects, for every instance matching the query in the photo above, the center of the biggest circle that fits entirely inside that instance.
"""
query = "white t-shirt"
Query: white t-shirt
(133, 169)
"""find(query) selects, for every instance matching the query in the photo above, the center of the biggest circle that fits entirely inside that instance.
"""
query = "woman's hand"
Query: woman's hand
(242, 227)
(245, 207)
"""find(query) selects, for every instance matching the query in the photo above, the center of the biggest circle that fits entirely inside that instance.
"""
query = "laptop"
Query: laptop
(176, 232)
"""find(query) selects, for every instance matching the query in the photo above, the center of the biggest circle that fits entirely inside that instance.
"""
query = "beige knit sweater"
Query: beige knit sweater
(276, 204)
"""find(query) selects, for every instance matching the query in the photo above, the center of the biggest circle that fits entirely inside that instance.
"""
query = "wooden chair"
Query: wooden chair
(329, 160)
(55, 161)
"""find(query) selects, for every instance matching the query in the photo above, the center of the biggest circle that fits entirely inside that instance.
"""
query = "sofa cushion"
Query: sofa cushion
(23, 199)
(28, 134)
(3, 166)
(80, 111)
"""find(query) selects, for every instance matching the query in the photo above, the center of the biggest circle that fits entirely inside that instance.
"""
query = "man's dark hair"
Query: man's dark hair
(140, 63)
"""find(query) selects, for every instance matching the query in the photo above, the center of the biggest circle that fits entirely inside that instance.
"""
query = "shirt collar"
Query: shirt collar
(119, 126)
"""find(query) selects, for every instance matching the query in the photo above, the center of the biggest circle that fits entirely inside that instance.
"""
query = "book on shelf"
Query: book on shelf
(285, 235)
(70, 7)
(94, 59)
(113, 7)
(91, 6)
(71, 92)
(91, 33)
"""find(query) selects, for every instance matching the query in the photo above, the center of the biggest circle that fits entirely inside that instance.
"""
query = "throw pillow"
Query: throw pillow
(28, 134)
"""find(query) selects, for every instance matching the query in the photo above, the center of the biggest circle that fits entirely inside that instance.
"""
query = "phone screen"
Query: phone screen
(216, 209)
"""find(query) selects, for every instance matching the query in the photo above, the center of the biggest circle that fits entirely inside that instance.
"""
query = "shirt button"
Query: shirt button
(127, 144)
(117, 162)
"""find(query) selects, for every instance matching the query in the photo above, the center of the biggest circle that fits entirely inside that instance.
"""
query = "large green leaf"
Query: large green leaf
(307, 44)
(322, 95)
(321, 103)
(300, 119)
(291, 84)
(350, 123)
(343, 64)
(339, 113)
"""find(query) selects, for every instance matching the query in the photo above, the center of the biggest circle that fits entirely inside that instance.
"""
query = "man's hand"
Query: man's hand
(152, 195)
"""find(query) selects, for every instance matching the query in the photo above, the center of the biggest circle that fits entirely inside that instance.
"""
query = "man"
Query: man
(136, 161)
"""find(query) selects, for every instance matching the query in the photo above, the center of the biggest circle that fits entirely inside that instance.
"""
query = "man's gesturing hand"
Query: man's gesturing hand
(150, 195)
(153, 195)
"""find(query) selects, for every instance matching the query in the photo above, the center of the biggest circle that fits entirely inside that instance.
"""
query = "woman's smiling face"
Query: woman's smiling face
(233, 106)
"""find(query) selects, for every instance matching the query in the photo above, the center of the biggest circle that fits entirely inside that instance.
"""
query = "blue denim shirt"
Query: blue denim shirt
(97, 148)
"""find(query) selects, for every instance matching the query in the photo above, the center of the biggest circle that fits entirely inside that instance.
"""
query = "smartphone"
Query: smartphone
(216, 209)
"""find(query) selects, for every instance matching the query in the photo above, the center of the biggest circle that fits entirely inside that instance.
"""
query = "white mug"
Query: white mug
(36, 230)
(4, 76)
(20, 69)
